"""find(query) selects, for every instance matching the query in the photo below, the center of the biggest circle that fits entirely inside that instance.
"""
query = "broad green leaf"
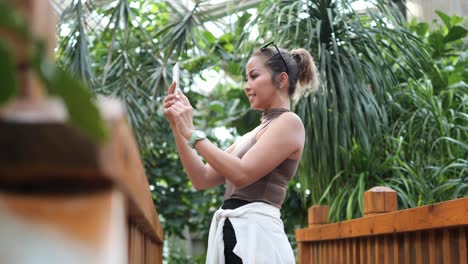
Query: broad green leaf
(436, 40)
(7, 74)
(445, 18)
(226, 38)
(241, 22)
(422, 29)
(456, 20)
(83, 113)
(228, 47)
(456, 33)
(454, 78)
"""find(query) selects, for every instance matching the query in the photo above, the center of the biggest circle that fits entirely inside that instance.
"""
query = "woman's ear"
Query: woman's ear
(283, 79)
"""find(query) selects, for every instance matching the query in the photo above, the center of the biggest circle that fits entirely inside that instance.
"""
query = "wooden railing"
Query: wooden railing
(63, 197)
(436, 233)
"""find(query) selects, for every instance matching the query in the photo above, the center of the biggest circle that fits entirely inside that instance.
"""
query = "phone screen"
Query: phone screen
(176, 75)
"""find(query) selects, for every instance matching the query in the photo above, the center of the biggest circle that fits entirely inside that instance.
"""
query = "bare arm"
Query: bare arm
(202, 176)
(283, 139)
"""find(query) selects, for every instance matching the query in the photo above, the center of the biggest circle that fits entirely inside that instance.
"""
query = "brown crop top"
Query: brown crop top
(272, 187)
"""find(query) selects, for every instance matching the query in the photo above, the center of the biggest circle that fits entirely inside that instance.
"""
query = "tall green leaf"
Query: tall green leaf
(82, 111)
(7, 74)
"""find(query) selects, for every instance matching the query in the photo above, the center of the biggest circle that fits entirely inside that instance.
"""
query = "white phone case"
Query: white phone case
(176, 75)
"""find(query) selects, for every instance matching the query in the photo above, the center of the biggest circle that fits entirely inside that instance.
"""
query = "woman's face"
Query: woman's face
(260, 89)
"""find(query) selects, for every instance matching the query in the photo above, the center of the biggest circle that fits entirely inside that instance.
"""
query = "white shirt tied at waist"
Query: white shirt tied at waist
(259, 233)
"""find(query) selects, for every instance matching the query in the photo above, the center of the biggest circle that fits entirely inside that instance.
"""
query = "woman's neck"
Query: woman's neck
(282, 103)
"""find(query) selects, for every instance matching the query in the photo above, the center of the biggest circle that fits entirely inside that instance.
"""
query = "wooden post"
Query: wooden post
(378, 200)
(318, 215)
(41, 19)
(53, 174)
(88, 227)
(63, 198)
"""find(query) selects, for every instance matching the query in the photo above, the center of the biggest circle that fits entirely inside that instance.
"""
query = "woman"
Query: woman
(257, 168)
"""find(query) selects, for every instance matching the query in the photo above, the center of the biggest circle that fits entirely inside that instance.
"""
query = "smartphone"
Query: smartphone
(176, 75)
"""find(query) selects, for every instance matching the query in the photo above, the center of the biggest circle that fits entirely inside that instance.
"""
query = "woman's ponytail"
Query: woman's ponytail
(307, 76)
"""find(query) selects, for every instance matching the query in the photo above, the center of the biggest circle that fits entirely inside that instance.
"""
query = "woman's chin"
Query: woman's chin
(254, 107)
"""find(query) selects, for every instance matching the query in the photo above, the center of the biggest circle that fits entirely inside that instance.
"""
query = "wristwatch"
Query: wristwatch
(196, 136)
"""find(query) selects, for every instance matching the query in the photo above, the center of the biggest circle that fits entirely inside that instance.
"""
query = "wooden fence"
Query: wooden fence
(429, 234)
(64, 198)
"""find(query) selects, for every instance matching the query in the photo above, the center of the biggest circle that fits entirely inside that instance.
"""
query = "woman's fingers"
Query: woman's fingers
(178, 108)
(171, 88)
(184, 98)
(170, 97)
(182, 116)
(169, 103)
(178, 111)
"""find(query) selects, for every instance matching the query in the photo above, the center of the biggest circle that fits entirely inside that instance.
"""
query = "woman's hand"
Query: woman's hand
(179, 111)
(171, 98)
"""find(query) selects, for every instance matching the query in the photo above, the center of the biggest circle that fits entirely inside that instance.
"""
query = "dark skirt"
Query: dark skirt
(229, 236)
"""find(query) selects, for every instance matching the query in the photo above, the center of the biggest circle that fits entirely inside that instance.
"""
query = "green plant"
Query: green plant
(428, 118)
(126, 49)
(355, 53)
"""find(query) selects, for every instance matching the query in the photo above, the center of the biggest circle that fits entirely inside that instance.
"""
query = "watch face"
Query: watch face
(200, 134)
(196, 136)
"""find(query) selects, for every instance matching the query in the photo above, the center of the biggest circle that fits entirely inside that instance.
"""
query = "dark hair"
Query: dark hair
(300, 68)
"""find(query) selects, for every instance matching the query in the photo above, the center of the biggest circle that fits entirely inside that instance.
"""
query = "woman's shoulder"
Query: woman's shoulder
(287, 124)
(291, 120)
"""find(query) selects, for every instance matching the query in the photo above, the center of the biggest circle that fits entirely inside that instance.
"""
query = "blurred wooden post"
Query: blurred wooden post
(64, 198)
(54, 228)
(42, 20)
(378, 200)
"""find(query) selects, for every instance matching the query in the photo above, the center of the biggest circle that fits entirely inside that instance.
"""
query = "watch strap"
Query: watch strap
(197, 135)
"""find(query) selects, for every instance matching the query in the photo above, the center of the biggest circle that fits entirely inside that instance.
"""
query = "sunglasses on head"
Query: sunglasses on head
(276, 47)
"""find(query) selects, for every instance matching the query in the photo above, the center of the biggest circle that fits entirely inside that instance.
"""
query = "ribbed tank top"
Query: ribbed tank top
(271, 188)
